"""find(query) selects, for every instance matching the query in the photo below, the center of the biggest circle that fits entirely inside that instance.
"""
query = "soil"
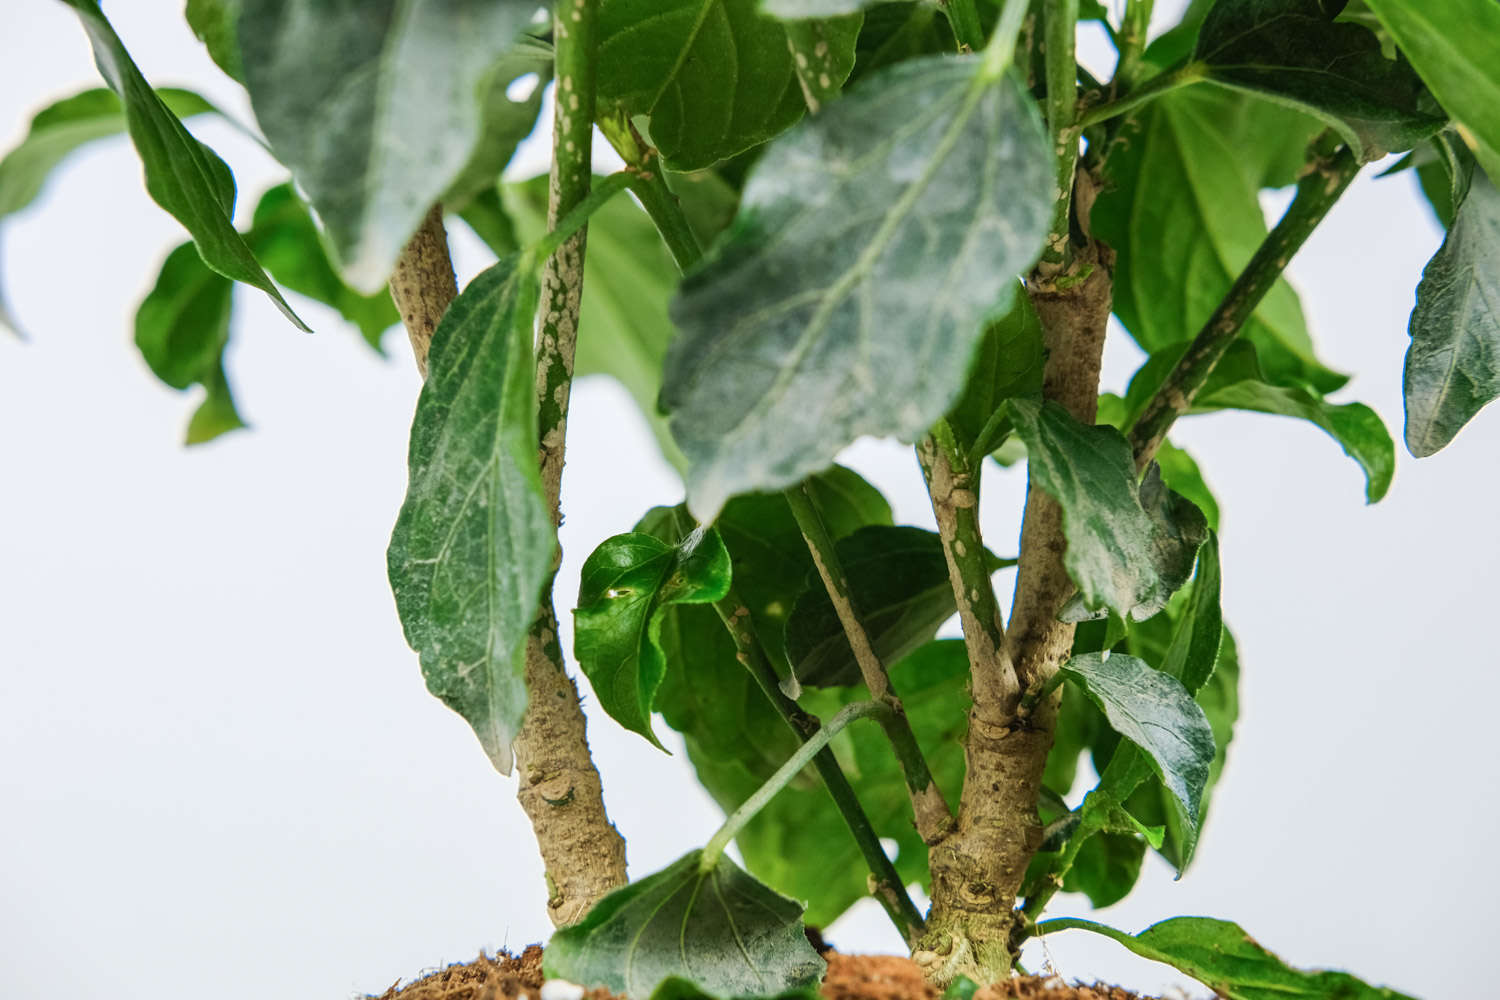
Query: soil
(850, 977)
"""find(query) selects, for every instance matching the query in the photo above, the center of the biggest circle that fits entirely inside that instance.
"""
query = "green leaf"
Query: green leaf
(183, 176)
(1455, 47)
(1008, 365)
(213, 21)
(287, 241)
(793, 10)
(474, 542)
(505, 122)
(858, 274)
(677, 988)
(716, 77)
(182, 324)
(376, 108)
(1229, 961)
(626, 583)
(1185, 218)
(1239, 383)
(1155, 712)
(1129, 547)
(716, 926)
(898, 584)
(1453, 364)
(216, 414)
(1181, 475)
(1294, 51)
(623, 329)
(1107, 867)
(896, 32)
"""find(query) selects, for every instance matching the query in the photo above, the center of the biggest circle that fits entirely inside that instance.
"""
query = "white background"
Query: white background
(220, 772)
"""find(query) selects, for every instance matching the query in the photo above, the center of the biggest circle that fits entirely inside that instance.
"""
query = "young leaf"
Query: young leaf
(181, 329)
(374, 107)
(717, 927)
(898, 583)
(1007, 365)
(1294, 51)
(213, 21)
(1229, 961)
(1185, 218)
(1129, 547)
(1456, 49)
(474, 542)
(287, 241)
(1239, 383)
(850, 294)
(626, 583)
(1453, 364)
(183, 176)
(1155, 712)
(716, 77)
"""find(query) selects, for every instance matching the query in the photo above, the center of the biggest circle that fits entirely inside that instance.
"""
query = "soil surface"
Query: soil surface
(850, 977)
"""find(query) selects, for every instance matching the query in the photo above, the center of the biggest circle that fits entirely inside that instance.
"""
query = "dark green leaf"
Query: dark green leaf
(1294, 51)
(857, 275)
(505, 122)
(898, 584)
(1182, 475)
(183, 176)
(896, 32)
(1155, 712)
(1223, 957)
(1185, 217)
(626, 583)
(287, 241)
(1129, 547)
(375, 107)
(716, 77)
(1453, 364)
(624, 330)
(216, 414)
(1456, 47)
(1107, 867)
(182, 325)
(474, 541)
(213, 21)
(717, 927)
(1239, 383)
(1007, 365)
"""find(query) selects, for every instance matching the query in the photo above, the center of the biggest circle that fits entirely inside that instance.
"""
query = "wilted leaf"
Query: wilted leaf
(849, 296)
(474, 541)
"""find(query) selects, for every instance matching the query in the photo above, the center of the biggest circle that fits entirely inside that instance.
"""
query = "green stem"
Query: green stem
(578, 216)
(963, 17)
(651, 188)
(1162, 83)
(783, 776)
(1061, 30)
(1317, 192)
(886, 885)
(933, 818)
(1131, 42)
(1001, 50)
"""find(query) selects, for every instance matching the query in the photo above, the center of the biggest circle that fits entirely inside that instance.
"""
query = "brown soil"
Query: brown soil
(850, 977)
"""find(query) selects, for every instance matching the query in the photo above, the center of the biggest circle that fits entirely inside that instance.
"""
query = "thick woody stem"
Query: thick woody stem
(422, 284)
(560, 788)
(933, 819)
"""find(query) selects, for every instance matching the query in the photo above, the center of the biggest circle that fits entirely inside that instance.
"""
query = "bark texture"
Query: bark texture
(422, 284)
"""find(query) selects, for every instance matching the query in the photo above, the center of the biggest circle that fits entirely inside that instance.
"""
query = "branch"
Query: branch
(560, 789)
(1131, 42)
(885, 882)
(422, 284)
(1182, 76)
(1060, 33)
(934, 820)
(1317, 192)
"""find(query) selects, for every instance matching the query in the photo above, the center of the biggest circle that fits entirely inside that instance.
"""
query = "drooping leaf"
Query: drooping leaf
(1294, 51)
(214, 22)
(1007, 365)
(1154, 711)
(474, 541)
(1453, 364)
(1229, 961)
(183, 176)
(857, 276)
(181, 329)
(715, 77)
(898, 584)
(510, 100)
(1185, 217)
(1107, 867)
(716, 927)
(1129, 548)
(375, 107)
(624, 330)
(1455, 47)
(286, 240)
(626, 583)
(1238, 382)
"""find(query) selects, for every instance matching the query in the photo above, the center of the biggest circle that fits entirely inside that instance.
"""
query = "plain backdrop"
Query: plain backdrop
(220, 773)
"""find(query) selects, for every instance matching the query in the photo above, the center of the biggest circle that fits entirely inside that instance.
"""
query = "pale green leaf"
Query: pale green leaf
(717, 927)
(849, 296)
(474, 542)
